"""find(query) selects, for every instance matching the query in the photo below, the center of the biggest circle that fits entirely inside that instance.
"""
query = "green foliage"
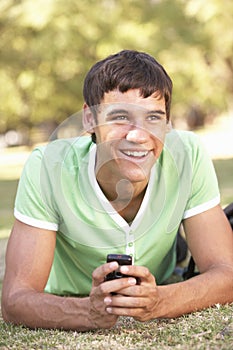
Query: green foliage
(47, 46)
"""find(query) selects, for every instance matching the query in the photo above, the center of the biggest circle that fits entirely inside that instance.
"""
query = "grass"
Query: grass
(224, 171)
(7, 195)
(209, 329)
(11, 163)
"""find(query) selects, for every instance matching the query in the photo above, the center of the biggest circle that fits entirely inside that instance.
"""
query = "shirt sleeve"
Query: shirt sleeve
(204, 188)
(32, 206)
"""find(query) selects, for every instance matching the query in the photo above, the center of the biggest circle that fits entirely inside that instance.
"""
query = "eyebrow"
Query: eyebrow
(119, 111)
(157, 111)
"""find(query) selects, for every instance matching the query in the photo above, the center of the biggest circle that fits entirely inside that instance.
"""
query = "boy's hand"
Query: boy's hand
(101, 297)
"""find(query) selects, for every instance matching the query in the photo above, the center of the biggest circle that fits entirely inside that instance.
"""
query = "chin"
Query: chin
(134, 172)
(136, 176)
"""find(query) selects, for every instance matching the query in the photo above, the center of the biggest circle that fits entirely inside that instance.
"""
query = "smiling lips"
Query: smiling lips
(136, 154)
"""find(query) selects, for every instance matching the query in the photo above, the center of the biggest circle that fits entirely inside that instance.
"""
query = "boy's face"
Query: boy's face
(130, 134)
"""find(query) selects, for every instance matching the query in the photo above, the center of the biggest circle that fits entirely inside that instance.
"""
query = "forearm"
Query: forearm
(207, 289)
(41, 310)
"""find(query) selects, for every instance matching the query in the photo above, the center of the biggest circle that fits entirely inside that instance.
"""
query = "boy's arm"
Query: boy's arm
(210, 240)
(29, 259)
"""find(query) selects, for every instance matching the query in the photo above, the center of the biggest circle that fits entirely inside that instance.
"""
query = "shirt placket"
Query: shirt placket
(130, 249)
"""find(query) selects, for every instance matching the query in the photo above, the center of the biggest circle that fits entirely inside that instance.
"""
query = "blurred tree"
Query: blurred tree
(47, 46)
(194, 40)
(214, 70)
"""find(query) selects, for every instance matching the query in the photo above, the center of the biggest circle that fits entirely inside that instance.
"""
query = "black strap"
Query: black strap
(190, 270)
(181, 248)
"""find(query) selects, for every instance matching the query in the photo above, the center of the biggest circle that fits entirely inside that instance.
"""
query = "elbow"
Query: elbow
(5, 314)
(5, 309)
(9, 307)
(225, 283)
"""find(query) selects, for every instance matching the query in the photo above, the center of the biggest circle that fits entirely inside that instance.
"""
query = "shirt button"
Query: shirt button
(130, 244)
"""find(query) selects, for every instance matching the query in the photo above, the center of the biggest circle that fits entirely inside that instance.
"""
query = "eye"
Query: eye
(121, 117)
(154, 117)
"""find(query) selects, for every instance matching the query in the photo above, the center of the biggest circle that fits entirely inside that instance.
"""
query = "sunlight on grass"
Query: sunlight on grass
(218, 138)
(12, 161)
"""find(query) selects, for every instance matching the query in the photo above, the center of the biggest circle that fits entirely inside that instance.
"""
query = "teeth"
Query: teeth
(136, 153)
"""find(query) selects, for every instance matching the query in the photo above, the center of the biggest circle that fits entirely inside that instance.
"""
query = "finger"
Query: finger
(134, 291)
(114, 286)
(100, 272)
(126, 302)
(140, 272)
(140, 291)
(120, 311)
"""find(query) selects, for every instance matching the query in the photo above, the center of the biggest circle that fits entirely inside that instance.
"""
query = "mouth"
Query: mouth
(135, 154)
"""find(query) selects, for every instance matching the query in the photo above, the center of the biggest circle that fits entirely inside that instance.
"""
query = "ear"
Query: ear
(88, 119)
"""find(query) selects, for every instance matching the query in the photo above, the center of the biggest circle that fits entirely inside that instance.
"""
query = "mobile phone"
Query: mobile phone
(122, 259)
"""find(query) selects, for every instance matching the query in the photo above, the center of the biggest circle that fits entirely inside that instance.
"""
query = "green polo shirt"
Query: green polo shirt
(58, 191)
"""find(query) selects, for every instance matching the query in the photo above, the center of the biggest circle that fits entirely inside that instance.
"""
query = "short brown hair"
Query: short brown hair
(127, 70)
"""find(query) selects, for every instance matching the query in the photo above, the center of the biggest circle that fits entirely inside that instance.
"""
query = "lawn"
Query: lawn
(208, 329)
(224, 170)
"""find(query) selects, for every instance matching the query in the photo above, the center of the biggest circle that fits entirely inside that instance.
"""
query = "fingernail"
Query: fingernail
(113, 265)
(109, 310)
(107, 300)
(124, 269)
(132, 281)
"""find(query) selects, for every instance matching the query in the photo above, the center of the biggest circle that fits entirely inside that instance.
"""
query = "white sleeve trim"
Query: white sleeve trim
(202, 207)
(34, 222)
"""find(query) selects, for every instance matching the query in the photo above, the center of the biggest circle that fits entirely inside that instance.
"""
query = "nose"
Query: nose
(137, 135)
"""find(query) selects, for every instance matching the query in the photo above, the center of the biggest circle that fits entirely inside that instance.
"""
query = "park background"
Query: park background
(47, 47)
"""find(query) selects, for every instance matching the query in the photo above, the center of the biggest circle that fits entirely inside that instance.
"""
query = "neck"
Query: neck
(128, 210)
(121, 190)
(125, 197)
